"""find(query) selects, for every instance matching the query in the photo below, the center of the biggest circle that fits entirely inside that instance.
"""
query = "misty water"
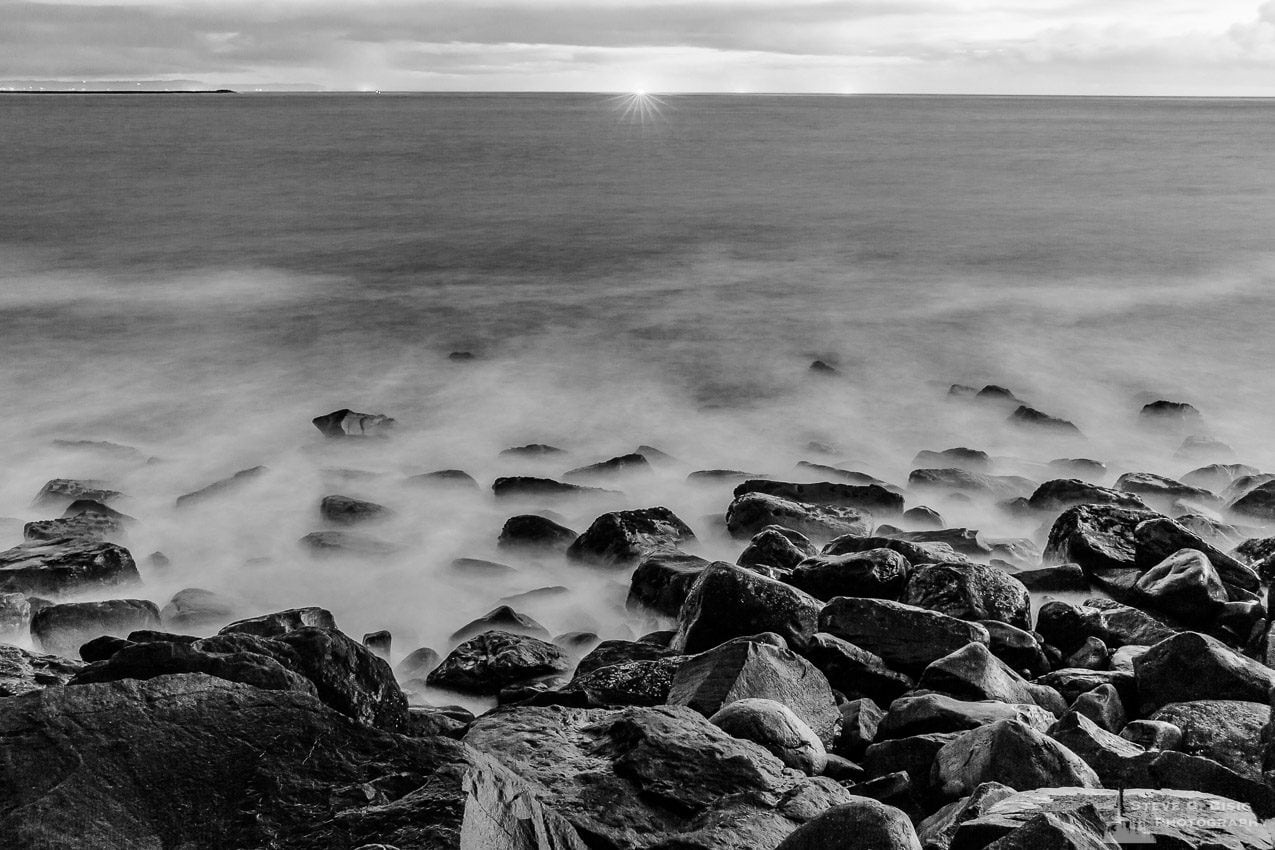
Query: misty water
(197, 277)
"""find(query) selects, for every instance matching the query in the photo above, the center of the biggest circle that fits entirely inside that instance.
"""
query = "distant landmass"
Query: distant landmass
(147, 86)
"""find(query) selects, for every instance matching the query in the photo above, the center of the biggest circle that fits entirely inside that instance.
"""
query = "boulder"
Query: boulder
(87, 526)
(873, 498)
(15, 616)
(1258, 503)
(222, 487)
(728, 601)
(1216, 673)
(525, 487)
(1062, 578)
(610, 652)
(501, 618)
(967, 541)
(969, 592)
(925, 713)
(875, 573)
(1097, 537)
(774, 726)
(195, 609)
(961, 457)
(1216, 476)
(776, 546)
(860, 720)
(744, 669)
(855, 672)
(347, 544)
(642, 682)
(1071, 682)
(417, 664)
(914, 755)
(1081, 467)
(1030, 417)
(22, 671)
(1013, 754)
(1103, 706)
(622, 465)
(1162, 489)
(1152, 734)
(1159, 538)
(860, 823)
(1018, 648)
(972, 672)
(1117, 761)
(445, 479)
(914, 553)
(663, 579)
(1184, 585)
(481, 567)
(1230, 732)
(345, 510)
(937, 830)
(643, 778)
(905, 636)
(533, 450)
(1093, 653)
(752, 512)
(347, 423)
(923, 517)
(65, 567)
(973, 483)
(622, 538)
(494, 660)
(282, 622)
(60, 629)
(1059, 494)
(533, 531)
(63, 491)
(1067, 626)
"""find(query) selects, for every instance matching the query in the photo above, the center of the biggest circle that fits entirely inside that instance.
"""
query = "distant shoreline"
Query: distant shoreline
(112, 91)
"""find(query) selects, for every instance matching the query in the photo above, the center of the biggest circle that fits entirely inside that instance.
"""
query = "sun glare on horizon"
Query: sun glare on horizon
(639, 107)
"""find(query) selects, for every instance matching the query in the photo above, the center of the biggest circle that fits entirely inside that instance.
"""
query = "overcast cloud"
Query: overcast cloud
(1010, 46)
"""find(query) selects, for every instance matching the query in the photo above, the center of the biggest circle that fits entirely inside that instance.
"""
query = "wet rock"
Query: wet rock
(663, 579)
(502, 618)
(869, 497)
(1097, 537)
(1168, 411)
(1159, 538)
(1093, 654)
(776, 546)
(964, 540)
(1058, 579)
(752, 512)
(905, 636)
(65, 567)
(937, 830)
(1184, 585)
(1077, 830)
(612, 652)
(456, 479)
(624, 537)
(974, 483)
(855, 672)
(1216, 673)
(1103, 706)
(524, 487)
(1162, 489)
(533, 450)
(15, 616)
(973, 673)
(914, 755)
(281, 622)
(417, 664)
(860, 719)
(344, 510)
(969, 592)
(644, 682)
(745, 669)
(1013, 754)
(1152, 734)
(914, 553)
(622, 465)
(872, 824)
(532, 531)
(643, 778)
(875, 573)
(495, 660)
(1071, 682)
(926, 713)
(85, 526)
(1258, 503)
(196, 609)
(1210, 530)
(60, 629)
(1068, 626)
(1018, 648)
(1117, 761)
(1063, 493)
(378, 643)
(223, 487)
(773, 726)
(728, 601)
(347, 423)
(22, 671)
(1029, 416)
(67, 490)
(923, 517)
(1230, 732)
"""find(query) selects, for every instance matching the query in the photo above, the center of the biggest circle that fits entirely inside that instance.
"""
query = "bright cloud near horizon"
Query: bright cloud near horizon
(1153, 47)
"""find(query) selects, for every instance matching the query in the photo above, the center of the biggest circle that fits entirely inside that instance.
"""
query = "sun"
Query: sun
(639, 107)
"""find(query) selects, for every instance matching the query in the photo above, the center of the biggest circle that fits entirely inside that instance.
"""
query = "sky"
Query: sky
(1083, 47)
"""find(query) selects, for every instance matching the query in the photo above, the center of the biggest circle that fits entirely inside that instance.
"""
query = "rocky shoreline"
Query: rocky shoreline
(860, 674)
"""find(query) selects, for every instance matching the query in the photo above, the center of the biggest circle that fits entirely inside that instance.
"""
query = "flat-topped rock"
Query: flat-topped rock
(752, 512)
(348, 423)
(870, 497)
(61, 567)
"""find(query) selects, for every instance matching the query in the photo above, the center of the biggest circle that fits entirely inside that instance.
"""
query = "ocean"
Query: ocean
(198, 276)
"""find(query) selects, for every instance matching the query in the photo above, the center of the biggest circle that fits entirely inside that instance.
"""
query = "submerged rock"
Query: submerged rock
(540, 488)
(347, 423)
(67, 490)
(345, 510)
(533, 450)
(869, 497)
(195, 609)
(502, 618)
(622, 465)
(531, 530)
(222, 487)
(1031, 417)
(1097, 537)
(624, 537)
(347, 543)
(86, 526)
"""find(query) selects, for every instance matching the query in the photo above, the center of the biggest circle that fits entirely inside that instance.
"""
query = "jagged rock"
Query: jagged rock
(1210, 530)
(417, 664)
(15, 616)
(1152, 734)
(1067, 626)
(345, 510)
(533, 450)
(1062, 493)
(752, 512)
(872, 825)
(494, 660)
(855, 672)
(728, 601)
(1081, 829)
(611, 652)
(744, 669)
(869, 497)
(1184, 585)
(222, 487)
(1093, 654)
(1103, 706)
(347, 543)
(914, 755)
(875, 573)
(524, 487)
(504, 619)
(914, 553)
(1071, 682)
(1029, 416)
(530, 530)
(1229, 732)
(86, 526)
(970, 592)
(776, 546)
(860, 720)
(622, 465)
(937, 830)
(623, 537)
(1216, 673)
(195, 609)
(1018, 648)
(347, 423)
(1117, 761)
(1188, 820)
(926, 713)
(972, 672)
(663, 579)
(1062, 578)
(1097, 537)
(65, 567)
(644, 778)
(66, 490)
(905, 636)
(60, 629)
(22, 671)
(282, 622)
(1012, 753)
(774, 726)
(1159, 538)
(642, 682)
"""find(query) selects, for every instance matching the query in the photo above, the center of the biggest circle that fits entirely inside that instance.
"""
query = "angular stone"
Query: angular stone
(222, 487)
(914, 553)
(663, 580)
(1230, 732)
(282, 622)
(970, 592)
(872, 824)
(1013, 754)
(1067, 626)
(1063, 493)
(869, 497)
(1159, 538)
(752, 512)
(1097, 537)
(533, 531)
(347, 423)
(65, 567)
(60, 629)
(727, 601)
(622, 538)
(622, 465)
(972, 672)
(905, 636)
(855, 672)
(1184, 585)
(926, 713)
(1215, 673)
(22, 671)
(504, 619)
(773, 726)
(876, 573)
(494, 660)
(776, 546)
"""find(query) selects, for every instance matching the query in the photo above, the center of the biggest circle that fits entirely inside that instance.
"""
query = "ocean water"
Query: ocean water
(199, 276)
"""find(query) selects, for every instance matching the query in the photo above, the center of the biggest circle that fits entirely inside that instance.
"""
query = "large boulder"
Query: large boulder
(663, 580)
(752, 512)
(853, 671)
(1067, 626)
(970, 592)
(60, 629)
(1013, 754)
(62, 567)
(937, 830)
(86, 526)
(876, 573)
(346, 510)
(1215, 673)
(1159, 538)
(860, 823)
(775, 727)
(533, 531)
(621, 538)
(22, 671)
(727, 601)
(194, 609)
(913, 552)
(639, 682)
(748, 669)
(870, 497)
(62, 491)
(924, 713)
(494, 660)
(1062, 493)
(1184, 585)
(776, 546)
(644, 778)
(973, 673)
(905, 636)
(281, 622)
(1097, 537)
(1230, 732)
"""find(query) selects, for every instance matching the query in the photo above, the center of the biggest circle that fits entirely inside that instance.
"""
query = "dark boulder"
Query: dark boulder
(914, 553)
(621, 538)
(1184, 585)
(449, 479)
(752, 512)
(905, 636)
(344, 510)
(1163, 411)
(1162, 489)
(959, 457)
(61, 491)
(533, 450)
(875, 573)
(523, 487)
(60, 629)
(867, 823)
(65, 567)
(347, 423)
(1033, 418)
(1013, 754)
(1103, 706)
(776, 546)
(774, 727)
(1217, 476)
(622, 465)
(1258, 503)
(971, 483)
(1160, 537)
(727, 601)
(927, 713)
(937, 830)
(967, 541)
(1067, 626)
(860, 719)
(22, 671)
(1097, 537)
(1215, 672)
(87, 526)
(533, 531)
(642, 682)
(281, 622)
(663, 579)
(223, 487)
(612, 652)
(869, 497)
(1019, 648)
(1063, 493)
(973, 673)
(855, 672)
(1060, 578)
(923, 517)
(969, 592)
(494, 660)
(1230, 732)
(502, 618)
(914, 755)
